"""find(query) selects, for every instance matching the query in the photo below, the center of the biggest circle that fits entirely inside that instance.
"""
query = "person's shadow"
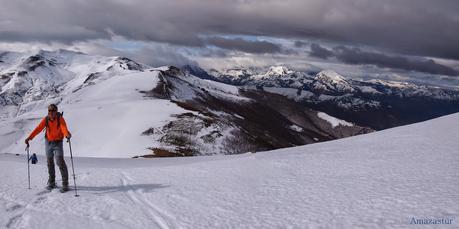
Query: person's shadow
(143, 188)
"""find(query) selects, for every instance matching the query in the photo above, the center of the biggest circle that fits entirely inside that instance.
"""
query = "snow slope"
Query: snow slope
(114, 105)
(377, 180)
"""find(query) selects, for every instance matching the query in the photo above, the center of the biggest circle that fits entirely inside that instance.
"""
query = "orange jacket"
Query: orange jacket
(53, 132)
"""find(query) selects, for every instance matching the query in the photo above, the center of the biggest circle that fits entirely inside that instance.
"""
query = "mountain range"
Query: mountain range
(377, 104)
(117, 107)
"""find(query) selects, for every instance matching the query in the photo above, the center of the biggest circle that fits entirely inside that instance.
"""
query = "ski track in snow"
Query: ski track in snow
(162, 220)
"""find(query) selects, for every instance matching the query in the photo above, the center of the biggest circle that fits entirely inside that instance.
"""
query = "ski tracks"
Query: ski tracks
(20, 207)
(16, 219)
(160, 217)
(18, 210)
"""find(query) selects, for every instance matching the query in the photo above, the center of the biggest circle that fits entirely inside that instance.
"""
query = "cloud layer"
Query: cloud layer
(245, 45)
(358, 56)
(415, 27)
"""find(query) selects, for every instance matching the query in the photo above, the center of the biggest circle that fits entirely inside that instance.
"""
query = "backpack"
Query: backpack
(59, 115)
(34, 159)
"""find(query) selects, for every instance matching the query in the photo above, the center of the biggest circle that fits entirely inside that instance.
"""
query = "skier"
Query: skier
(56, 130)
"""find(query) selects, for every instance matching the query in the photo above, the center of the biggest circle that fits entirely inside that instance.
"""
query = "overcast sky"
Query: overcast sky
(393, 36)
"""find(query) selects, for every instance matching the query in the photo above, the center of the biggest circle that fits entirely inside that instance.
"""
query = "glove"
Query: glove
(27, 142)
(68, 136)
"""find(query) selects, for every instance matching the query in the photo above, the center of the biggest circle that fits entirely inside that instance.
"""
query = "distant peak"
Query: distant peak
(331, 75)
(278, 70)
(171, 71)
(60, 53)
(124, 63)
(331, 80)
(391, 83)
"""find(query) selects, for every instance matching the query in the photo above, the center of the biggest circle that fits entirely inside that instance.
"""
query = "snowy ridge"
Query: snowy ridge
(42, 75)
(95, 91)
(222, 114)
(332, 120)
(111, 105)
(330, 80)
(128, 123)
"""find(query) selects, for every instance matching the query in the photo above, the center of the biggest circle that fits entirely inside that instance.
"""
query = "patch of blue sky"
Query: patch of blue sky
(126, 45)
(245, 37)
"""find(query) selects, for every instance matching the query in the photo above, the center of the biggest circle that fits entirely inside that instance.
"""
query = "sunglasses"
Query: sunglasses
(52, 111)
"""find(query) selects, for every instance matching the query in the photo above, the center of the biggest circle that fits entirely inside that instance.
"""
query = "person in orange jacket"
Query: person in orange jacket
(56, 130)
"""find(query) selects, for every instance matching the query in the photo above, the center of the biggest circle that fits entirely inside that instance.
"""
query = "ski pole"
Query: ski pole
(73, 170)
(28, 165)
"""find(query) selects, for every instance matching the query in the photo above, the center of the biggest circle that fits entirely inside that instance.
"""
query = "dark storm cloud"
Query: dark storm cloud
(300, 44)
(245, 45)
(358, 56)
(319, 51)
(417, 27)
(153, 55)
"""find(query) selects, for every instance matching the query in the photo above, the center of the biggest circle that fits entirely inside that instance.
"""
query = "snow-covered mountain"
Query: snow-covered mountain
(403, 177)
(377, 104)
(321, 81)
(116, 107)
(27, 79)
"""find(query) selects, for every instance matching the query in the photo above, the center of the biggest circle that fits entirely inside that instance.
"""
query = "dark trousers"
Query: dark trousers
(55, 150)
